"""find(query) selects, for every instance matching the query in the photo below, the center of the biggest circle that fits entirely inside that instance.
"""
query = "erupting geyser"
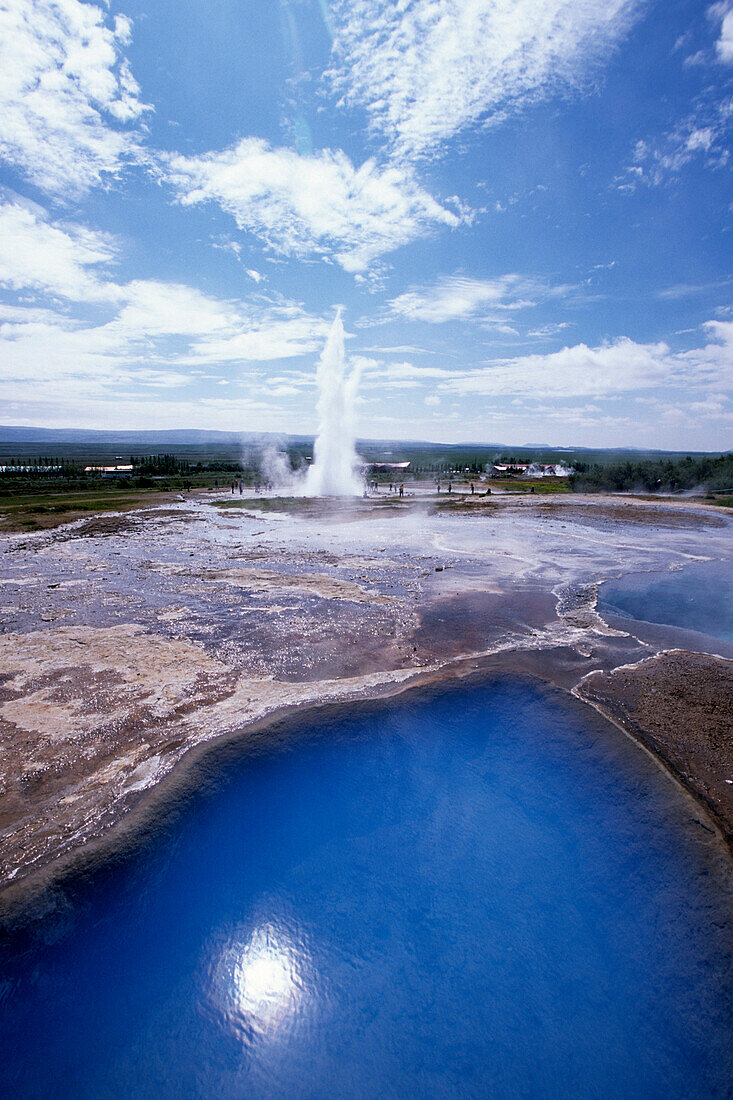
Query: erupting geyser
(335, 461)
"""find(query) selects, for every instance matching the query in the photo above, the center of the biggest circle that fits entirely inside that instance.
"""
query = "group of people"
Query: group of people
(258, 487)
(472, 487)
(393, 488)
(399, 490)
(374, 486)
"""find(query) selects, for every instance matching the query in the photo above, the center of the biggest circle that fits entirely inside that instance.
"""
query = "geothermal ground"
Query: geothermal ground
(129, 640)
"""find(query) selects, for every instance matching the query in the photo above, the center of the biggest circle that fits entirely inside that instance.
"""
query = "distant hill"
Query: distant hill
(24, 443)
(172, 436)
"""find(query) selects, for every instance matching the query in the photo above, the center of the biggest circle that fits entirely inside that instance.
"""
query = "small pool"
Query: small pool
(698, 597)
(485, 893)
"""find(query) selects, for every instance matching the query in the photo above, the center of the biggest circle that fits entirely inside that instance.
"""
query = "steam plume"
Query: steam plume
(335, 460)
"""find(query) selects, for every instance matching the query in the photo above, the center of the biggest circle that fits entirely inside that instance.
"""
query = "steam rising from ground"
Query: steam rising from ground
(335, 461)
(276, 469)
(272, 468)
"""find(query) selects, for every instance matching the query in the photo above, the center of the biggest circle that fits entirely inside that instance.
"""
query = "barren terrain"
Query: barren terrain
(127, 640)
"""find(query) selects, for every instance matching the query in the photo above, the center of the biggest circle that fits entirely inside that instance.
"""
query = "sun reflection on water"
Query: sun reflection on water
(260, 984)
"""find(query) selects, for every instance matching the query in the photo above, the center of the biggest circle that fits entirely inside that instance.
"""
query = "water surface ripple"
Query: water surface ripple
(698, 597)
(484, 893)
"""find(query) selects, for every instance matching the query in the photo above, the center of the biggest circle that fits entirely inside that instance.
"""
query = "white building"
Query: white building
(109, 471)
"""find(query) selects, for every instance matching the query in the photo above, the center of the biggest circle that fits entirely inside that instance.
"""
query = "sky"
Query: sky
(523, 208)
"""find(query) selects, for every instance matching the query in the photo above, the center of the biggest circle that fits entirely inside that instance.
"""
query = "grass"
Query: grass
(542, 485)
(46, 509)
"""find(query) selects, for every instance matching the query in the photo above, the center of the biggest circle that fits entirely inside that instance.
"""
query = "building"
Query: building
(400, 466)
(109, 471)
(538, 469)
(32, 469)
(504, 469)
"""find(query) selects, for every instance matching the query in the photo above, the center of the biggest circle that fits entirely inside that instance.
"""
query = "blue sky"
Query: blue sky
(524, 208)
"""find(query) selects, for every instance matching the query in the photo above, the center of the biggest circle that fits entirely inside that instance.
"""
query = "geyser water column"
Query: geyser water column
(335, 461)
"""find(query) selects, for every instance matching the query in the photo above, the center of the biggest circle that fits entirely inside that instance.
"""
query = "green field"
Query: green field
(45, 508)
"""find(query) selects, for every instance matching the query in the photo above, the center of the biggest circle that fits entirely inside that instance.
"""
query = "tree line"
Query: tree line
(663, 476)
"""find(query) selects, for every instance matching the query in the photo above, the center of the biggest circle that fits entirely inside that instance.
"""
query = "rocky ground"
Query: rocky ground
(680, 706)
(128, 640)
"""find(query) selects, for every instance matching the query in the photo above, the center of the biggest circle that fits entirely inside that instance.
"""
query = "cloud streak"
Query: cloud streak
(424, 71)
(460, 297)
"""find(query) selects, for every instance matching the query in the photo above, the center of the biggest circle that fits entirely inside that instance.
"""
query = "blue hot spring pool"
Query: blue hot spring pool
(487, 892)
(698, 597)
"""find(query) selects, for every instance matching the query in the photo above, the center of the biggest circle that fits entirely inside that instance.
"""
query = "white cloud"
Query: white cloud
(145, 336)
(688, 290)
(701, 137)
(576, 371)
(71, 406)
(152, 334)
(724, 45)
(26, 314)
(65, 90)
(58, 352)
(427, 69)
(545, 331)
(620, 367)
(223, 243)
(159, 309)
(376, 374)
(714, 360)
(62, 260)
(304, 205)
(264, 335)
(70, 262)
(458, 297)
(712, 407)
(497, 327)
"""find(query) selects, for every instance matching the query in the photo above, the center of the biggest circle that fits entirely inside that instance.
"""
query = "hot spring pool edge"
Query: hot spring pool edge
(42, 890)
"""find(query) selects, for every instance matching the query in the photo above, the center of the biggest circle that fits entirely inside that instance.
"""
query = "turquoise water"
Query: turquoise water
(484, 893)
(698, 597)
